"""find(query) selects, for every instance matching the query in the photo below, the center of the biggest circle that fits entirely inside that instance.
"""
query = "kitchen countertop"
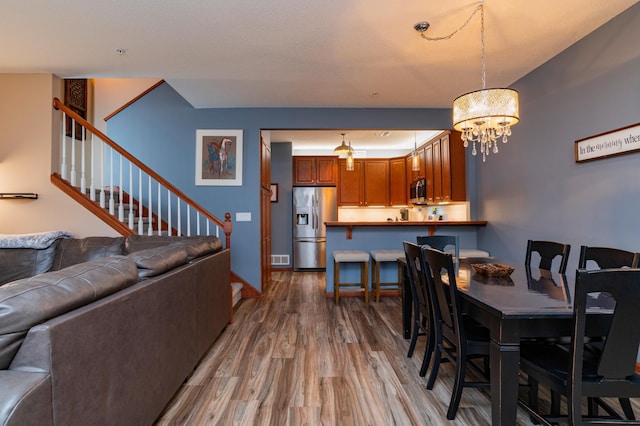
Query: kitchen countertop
(431, 225)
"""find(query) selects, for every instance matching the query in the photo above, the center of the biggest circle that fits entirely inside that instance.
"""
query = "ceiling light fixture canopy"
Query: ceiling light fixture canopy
(342, 148)
(482, 116)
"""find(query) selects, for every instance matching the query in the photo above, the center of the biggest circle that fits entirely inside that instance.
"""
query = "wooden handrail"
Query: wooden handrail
(226, 225)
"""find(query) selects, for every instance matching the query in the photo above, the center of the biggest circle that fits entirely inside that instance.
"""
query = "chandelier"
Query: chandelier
(483, 116)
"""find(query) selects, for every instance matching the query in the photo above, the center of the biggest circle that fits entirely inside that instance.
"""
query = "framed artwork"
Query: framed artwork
(274, 192)
(219, 157)
(75, 97)
(615, 142)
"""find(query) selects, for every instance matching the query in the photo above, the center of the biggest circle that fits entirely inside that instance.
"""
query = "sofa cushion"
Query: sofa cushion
(17, 263)
(200, 246)
(30, 301)
(155, 261)
(77, 250)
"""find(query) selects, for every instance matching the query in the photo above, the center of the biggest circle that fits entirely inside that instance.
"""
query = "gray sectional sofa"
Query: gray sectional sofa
(103, 331)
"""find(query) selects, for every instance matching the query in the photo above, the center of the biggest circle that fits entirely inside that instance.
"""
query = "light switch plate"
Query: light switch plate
(243, 216)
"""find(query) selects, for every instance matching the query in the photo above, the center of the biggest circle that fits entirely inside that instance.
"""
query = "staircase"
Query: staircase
(124, 192)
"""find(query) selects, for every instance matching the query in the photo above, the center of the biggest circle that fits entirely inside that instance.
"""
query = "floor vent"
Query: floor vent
(279, 259)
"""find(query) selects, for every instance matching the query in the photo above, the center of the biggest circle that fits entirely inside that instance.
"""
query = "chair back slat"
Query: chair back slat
(607, 258)
(417, 278)
(548, 251)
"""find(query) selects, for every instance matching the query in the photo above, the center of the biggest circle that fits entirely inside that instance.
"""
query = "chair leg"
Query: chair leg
(533, 397)
(376, 279)
(555, 403)
(458, 385)
(428, 352)
(626, 408)
(416, 329)
(434, 369)
(364, 279)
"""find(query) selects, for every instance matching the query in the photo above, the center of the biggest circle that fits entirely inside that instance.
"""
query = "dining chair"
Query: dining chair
(606, 258)
(458, 338)
(445, 243)
(579, 372)
(422, 315)
(548, 251)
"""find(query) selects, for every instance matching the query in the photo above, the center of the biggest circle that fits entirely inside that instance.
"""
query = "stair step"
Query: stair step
(236, 291)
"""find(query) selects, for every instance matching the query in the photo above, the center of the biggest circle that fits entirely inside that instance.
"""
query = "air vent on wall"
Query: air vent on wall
(279, 259)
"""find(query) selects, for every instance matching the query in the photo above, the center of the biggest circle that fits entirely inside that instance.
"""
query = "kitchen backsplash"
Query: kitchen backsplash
(449, 212)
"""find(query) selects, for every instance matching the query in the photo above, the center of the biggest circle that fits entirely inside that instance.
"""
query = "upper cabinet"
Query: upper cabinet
(315, 171)
(366, 185)
(398, 181)
(445, 168)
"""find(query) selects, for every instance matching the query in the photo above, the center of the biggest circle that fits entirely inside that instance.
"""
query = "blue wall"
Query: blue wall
(534, 188)
(160, 130)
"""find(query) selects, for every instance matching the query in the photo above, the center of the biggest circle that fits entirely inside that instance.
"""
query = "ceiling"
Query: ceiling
(291, 53)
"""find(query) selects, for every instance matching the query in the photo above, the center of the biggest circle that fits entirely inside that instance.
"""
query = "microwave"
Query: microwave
(418, 191)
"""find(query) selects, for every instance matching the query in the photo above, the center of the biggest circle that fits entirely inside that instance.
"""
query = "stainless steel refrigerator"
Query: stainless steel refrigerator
(312, 207)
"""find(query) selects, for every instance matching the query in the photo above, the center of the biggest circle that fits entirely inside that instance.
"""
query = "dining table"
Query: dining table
(528, 303)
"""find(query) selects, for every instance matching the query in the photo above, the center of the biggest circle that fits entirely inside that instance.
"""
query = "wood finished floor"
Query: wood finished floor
(292, 357)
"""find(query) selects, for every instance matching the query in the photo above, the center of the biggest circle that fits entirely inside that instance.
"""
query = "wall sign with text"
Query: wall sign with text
(616, 142)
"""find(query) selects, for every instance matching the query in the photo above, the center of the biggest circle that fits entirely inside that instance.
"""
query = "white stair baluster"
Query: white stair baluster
(63, 165)
(169, 224)
(92, 186)
(120, 194)
(150, 210)
(197, 222)
(83, 166)
(159, 210)
(140, 225)
(188, 221)
(73, 153)
(112, 203)
(103, 202)
(179, 218)
(131, 195)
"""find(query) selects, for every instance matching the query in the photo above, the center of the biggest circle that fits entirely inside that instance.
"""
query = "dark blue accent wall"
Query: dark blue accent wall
(160, 130)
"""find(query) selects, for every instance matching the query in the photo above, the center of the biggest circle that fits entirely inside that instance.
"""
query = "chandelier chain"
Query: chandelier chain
(447, 37)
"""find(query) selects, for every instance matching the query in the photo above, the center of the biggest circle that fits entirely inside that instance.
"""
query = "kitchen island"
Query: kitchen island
(388, 235)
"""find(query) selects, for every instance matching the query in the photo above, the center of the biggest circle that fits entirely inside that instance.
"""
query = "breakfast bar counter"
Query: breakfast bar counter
(430, 225)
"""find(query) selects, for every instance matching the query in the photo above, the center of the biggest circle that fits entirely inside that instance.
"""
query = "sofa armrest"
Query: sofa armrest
(25, 398)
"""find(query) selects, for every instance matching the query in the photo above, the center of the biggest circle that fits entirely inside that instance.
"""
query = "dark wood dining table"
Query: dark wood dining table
(527, 304)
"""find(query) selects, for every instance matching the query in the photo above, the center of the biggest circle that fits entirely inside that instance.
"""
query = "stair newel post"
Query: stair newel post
(73, 153)
(159, 209)
(169, 224)
(150, 209)
(63, 166)
(112, 203)
(92, 186)
(103, 202)
(83, 166)
(131, 195)
(120, 195)
(228, 226)
(140, 224)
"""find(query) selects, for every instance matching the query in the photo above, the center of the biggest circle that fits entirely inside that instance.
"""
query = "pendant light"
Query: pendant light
(342, 148)
(350, 161)
(415, 158)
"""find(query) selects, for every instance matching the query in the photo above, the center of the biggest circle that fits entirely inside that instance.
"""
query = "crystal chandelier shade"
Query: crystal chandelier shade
(485, 116)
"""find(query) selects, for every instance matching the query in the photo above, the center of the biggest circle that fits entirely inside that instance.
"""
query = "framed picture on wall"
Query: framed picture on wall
(219, 157)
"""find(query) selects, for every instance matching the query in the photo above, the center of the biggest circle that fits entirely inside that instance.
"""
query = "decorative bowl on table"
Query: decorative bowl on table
(492, 269)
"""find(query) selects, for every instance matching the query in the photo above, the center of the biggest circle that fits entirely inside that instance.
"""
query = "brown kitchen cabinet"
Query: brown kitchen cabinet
(315, 170)
(449, 168)
(398, 181)
(366, 185)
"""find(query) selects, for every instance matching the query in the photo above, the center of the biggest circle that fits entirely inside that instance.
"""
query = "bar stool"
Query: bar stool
(378, 257)
(351, 256)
